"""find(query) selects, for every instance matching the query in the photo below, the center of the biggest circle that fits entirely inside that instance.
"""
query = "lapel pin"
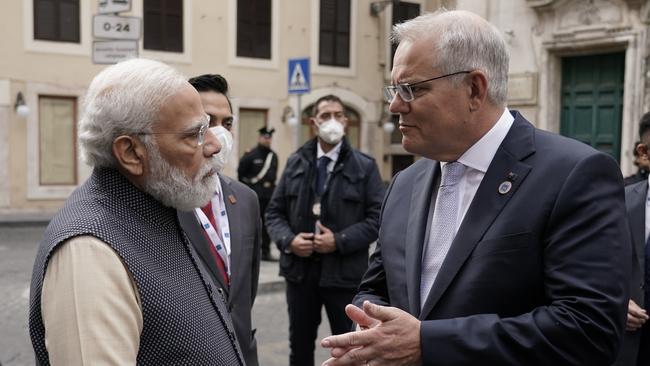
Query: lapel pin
(232, 199)
(511, 177)
(505, 187)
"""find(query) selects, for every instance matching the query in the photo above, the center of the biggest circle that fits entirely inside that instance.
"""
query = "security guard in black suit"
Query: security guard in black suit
(258, 169)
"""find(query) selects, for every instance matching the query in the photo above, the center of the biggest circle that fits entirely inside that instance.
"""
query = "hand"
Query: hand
(636, 316)
(302, 245)
(324, 242)
(392, 338)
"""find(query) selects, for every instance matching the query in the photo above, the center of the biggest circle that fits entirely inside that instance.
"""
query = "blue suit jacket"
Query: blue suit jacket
(536, 276)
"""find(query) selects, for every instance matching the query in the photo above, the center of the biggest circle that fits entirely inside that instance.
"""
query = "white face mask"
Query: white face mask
(331, 131)
(225, 140)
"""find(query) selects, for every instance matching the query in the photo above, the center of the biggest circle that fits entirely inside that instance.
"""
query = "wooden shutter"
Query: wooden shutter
(163, 25)
(254, 28)
(57, 140)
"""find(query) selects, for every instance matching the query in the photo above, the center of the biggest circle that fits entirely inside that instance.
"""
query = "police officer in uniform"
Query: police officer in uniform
(258, 169)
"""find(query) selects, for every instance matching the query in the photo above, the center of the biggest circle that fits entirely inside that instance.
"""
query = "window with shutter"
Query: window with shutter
(402, 12)
(334, 36)
(254, 28)
(163, 25)
(57, 136)
(57, 20)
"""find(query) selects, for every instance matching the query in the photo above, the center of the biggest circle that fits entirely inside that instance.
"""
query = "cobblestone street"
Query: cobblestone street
(17, 250)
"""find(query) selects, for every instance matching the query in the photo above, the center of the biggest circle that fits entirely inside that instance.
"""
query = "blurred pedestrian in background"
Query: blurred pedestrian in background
(115, 280)
(636, 343)
(640, 161)
(323, 216)
(505, 244)
(258, 169)
(227, 231)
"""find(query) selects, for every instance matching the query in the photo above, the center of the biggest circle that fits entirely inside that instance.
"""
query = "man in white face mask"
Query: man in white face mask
(227, 232)
(323, 216)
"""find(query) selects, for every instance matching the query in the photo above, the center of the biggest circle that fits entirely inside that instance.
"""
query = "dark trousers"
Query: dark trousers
(266, 240)
(305, 301)
(643, 357)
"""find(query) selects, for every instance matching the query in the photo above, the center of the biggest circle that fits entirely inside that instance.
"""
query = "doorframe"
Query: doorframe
(551, 84)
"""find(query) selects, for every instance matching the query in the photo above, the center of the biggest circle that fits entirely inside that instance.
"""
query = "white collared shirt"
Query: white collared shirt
(219, 211)
(477, 159)
(332, 154)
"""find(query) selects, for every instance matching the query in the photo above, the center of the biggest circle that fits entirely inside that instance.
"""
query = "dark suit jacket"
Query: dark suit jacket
(244, 219)
(536, 276)
(635, 197)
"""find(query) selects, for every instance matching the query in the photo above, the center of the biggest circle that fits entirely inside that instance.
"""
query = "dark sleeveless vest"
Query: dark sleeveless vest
(185, 320)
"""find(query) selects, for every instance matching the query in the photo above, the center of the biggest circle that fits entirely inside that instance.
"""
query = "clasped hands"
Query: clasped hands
(384, 336)
(304, 244)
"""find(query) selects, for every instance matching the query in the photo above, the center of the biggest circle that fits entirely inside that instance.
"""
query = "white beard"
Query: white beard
(170, 186)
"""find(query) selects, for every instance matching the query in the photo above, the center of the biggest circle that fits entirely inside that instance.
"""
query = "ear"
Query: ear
(478, 85)
(131, 155)
(314, 124)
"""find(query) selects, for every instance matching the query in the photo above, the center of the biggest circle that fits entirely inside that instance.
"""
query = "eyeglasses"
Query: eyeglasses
(405, 90)
(196, 133)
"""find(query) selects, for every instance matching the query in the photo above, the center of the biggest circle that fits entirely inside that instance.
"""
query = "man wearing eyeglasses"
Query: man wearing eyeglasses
(115, 280)
(505, 244)
(323, 216)
(227, 231)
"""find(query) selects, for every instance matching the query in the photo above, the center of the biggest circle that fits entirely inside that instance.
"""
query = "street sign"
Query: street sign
(111, 52)
(113, 6)
(299, 77)
(116, 27)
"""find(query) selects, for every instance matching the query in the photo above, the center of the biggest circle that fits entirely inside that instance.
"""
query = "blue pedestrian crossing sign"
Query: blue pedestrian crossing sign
(299, 78)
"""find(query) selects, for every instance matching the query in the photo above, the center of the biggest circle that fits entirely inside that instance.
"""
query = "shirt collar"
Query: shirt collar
(332, 154)
(480, 155)
(218, 191)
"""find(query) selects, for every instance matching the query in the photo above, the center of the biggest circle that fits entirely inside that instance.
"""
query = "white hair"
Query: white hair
(462, 41)
(123, 99)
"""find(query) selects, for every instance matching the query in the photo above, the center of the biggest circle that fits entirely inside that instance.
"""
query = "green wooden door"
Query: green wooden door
(592, 100)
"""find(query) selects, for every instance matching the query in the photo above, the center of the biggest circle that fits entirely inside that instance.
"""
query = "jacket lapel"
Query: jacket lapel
(195, 232)
(419, 213)
(486, 205)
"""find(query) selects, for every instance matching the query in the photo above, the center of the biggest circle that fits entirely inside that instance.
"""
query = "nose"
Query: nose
(211, 145)
(398, 105)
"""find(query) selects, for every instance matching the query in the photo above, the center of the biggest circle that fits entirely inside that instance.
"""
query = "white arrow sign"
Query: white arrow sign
(113, 6)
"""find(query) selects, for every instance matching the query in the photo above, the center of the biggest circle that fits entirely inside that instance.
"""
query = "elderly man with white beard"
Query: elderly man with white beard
(116, 281)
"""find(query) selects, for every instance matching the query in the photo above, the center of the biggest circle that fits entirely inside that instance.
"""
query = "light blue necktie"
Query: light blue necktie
(443, 227)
